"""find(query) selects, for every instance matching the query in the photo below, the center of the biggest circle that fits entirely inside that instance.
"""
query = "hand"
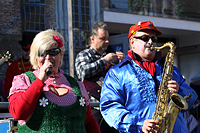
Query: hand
(173, 86)
(110, 57)
(120, 55)
(149, 125)
(42, 74)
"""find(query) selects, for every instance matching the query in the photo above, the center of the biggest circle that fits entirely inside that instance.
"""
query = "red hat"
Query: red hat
(147, 25)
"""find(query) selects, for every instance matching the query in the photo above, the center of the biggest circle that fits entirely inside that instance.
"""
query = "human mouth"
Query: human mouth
(150, 47)
(147, 46)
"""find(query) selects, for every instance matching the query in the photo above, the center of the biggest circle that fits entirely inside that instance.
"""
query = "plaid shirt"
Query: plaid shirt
(88, 63)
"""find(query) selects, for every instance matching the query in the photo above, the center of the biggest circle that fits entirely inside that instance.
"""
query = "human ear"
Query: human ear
(92, 39)
(131, 43)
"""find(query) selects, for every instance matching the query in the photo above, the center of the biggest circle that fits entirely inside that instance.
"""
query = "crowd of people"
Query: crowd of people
(45, 99)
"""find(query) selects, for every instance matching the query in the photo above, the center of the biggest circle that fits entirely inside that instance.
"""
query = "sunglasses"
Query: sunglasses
(52, 52)
(146, 38)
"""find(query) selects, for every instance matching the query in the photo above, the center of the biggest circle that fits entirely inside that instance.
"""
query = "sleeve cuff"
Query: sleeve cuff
(39, 82)
(104, 62)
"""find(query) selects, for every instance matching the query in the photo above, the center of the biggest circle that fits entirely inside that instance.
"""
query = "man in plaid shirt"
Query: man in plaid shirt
(94, 61)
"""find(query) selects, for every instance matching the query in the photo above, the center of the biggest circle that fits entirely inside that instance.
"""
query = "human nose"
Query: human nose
(150, 41)
(47, 56)
(106, 41)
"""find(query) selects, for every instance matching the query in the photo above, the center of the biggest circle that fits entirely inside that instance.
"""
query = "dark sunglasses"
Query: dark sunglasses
(26, 50)
(146, 38)
(52, 52)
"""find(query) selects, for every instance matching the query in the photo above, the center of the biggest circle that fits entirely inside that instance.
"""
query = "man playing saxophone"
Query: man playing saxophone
(129, 92)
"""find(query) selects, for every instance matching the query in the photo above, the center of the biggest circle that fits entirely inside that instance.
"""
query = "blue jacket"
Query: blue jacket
(128, 96)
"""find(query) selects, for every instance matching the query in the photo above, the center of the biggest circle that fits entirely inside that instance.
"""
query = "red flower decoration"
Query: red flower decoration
(57, 39)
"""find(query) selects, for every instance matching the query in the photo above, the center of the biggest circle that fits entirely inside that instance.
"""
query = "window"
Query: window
(120, 4)
(81, 20)
(34, 15)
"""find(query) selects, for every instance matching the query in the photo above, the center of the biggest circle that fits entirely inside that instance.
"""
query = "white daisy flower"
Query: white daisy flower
(43, 102)
(82, 101)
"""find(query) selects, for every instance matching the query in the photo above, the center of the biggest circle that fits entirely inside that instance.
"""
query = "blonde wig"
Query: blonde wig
(43, 41)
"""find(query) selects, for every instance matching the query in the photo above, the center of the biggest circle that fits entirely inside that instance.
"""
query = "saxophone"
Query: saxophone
(166, 113)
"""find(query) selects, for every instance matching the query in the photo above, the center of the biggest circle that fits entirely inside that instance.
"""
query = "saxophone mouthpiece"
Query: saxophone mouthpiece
(151, 47)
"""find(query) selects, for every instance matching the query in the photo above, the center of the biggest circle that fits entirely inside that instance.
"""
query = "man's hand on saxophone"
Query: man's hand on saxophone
(149, 125)
(173, 86)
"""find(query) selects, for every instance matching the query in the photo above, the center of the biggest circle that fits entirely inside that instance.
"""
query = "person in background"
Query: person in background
(47, 100)
(22, 64)
(128, 95)
(192, 116)
(92, 64)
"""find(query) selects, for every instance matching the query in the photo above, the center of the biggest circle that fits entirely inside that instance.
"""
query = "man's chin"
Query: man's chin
(104, 49)
(26, 58)
(151, 55)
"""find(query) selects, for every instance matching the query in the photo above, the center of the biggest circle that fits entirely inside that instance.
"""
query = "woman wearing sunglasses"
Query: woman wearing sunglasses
(50, 103)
